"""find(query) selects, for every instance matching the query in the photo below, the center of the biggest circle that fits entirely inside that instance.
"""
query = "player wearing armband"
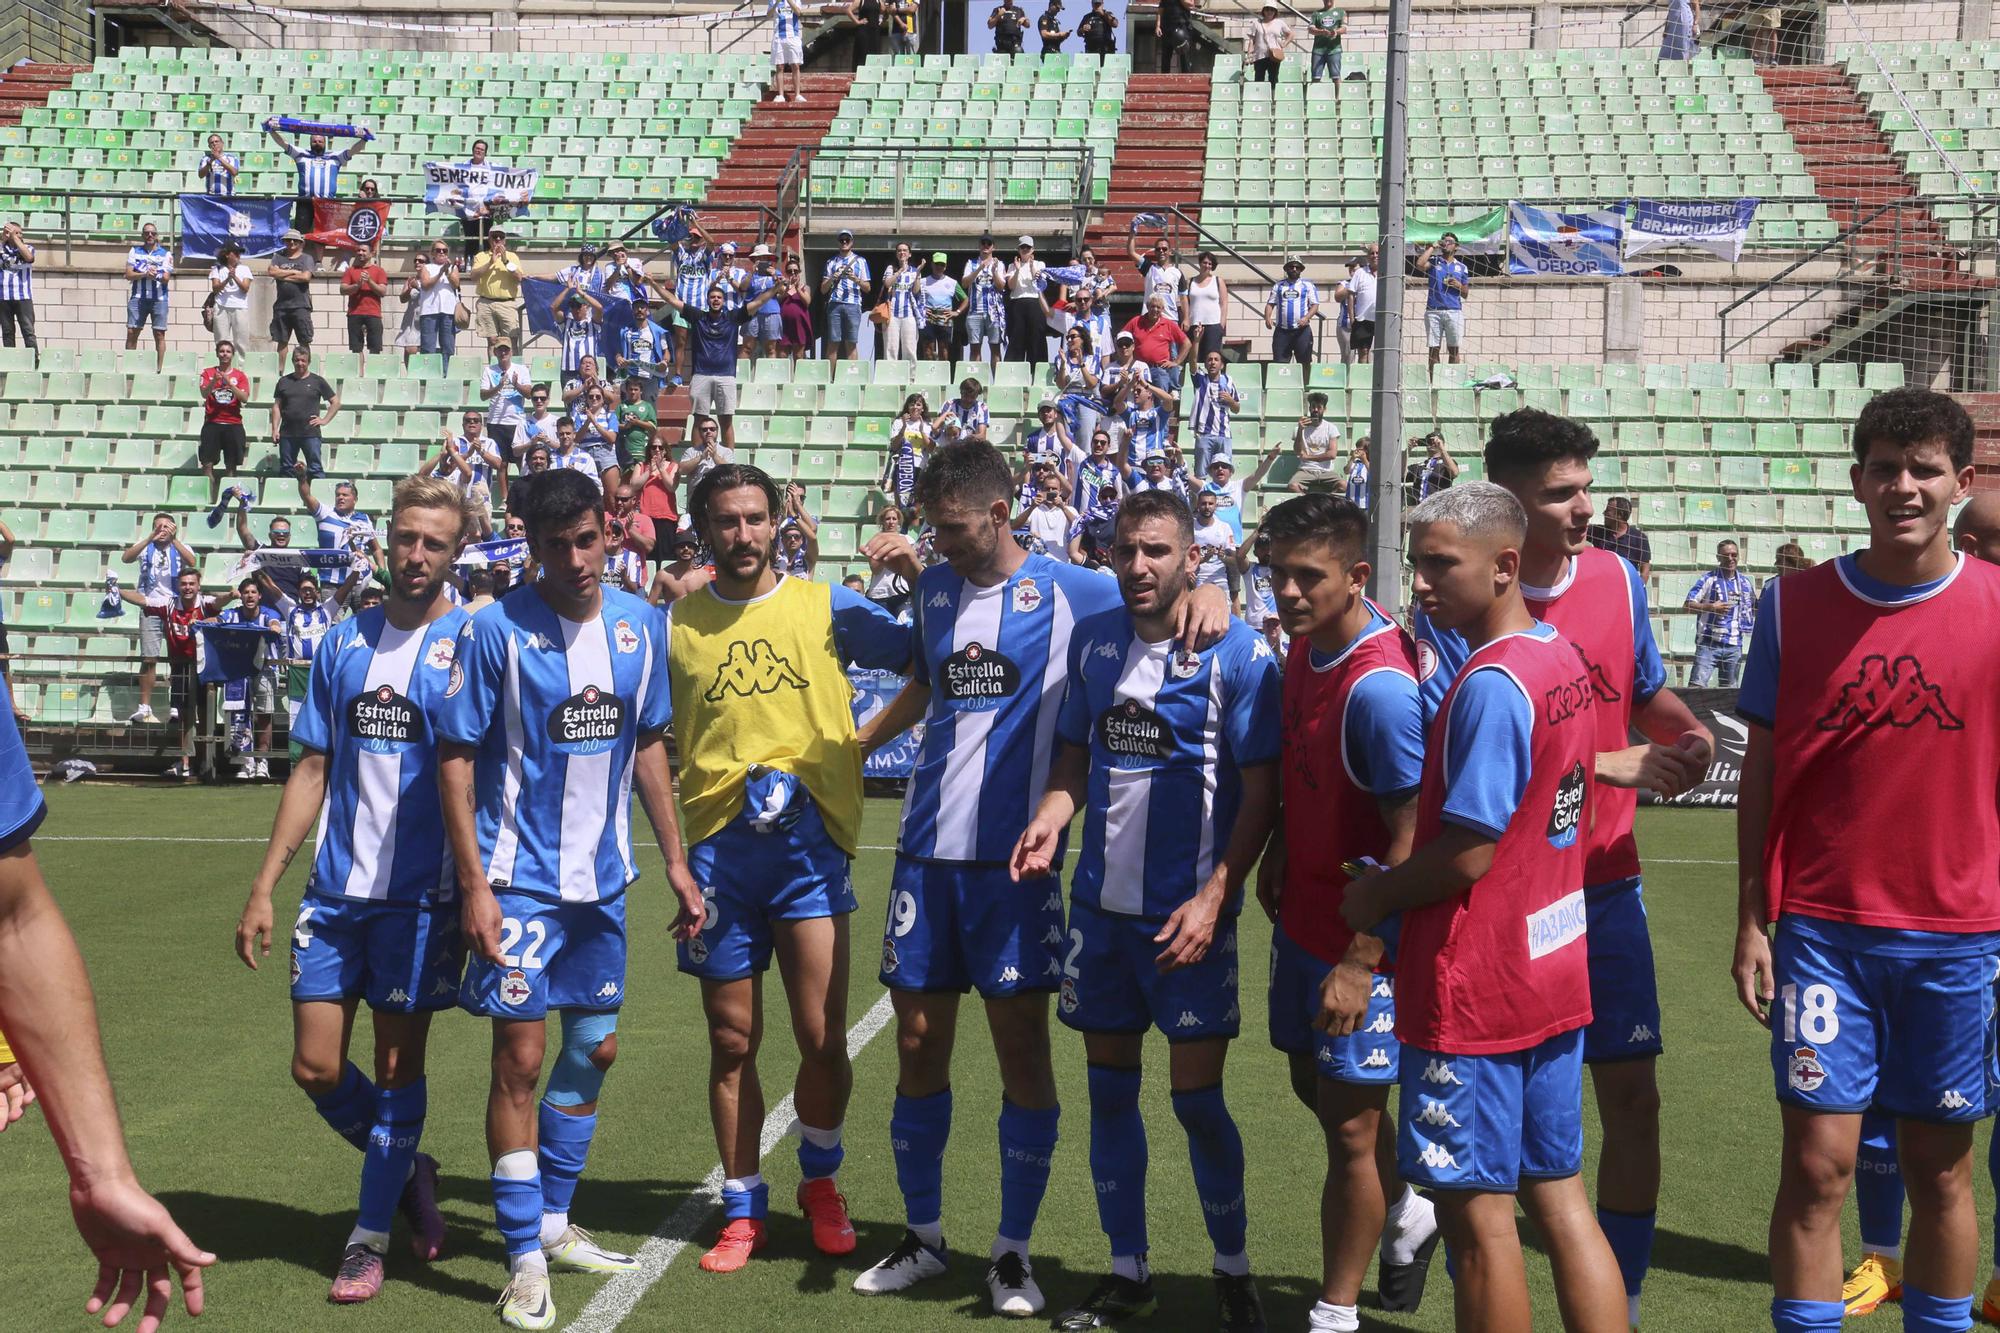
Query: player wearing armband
(1172, 754)
(1353, 759)
(557, 709)
(993, 631)
(379, 920)
(770, 783)
(1869, 682)
(1492, 985)
(1598, 602)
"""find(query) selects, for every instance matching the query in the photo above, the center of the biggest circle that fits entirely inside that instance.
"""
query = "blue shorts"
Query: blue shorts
(750, 879)
(1165, 377)
(1481, 1122)
(980, 327)
(770, 327)
(1370, 1054)
(1624, 997)
(557, 956)
(843, 322)
(957, 927)
(1911, 1036)
(1110, 982)
(139, 309)
(400, 959)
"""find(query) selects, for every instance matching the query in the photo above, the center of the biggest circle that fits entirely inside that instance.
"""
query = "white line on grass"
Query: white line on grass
(616, 1299)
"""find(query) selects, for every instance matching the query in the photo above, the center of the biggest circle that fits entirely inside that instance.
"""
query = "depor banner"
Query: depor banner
(447, 184)
(1718, 226)
(896, 758)
(1547, 243)
(253, 225)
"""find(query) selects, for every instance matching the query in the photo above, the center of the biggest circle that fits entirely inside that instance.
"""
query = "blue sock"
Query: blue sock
(753, 1202)
(1216, 1150)
(350, 1107)
(565, 1146)
(1631, 1237)
(1925, 1313)
(918, 1129)
(517, 1201)
(392, 1146)
(1027, 1146)
(1789, 1316)
(1118, 1157)
(1878, 1186)
(820, 1151)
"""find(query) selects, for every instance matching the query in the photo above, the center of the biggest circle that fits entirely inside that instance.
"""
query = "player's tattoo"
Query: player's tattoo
(290, 852)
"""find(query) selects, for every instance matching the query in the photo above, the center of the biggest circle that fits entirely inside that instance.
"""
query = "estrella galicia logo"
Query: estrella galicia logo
(588, 722)
(1135, 736)
(977, 679)
(1883, 694)
(383, 720)
(751, 669)
(1566, 700)
(1566, 818)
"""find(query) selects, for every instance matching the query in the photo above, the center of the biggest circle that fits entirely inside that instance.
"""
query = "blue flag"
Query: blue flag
(540, 296)
(207, 224)
(1545, 242)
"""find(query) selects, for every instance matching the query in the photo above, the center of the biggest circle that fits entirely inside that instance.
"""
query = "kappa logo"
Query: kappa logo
(1054, 969)
(751, 669)
(1229, 977)
(1010, 974)
(1953, 1100)
(536, 641)
(1377, 1058)
(1326, 1054)
(607, 990)
(1107, 651)
(1886, 694)
(1054, 935)
(442, 986)
(1187, 1020)
(1565, 701)
(1053, 903)
(1642, 1033)
(1436, 1158)
(1439, 1071)
(1260, 648)
(441, 654)
(1436, 1115)
(940, 601)
(398, 996)
(1381, 1024)
(1383, 989)
(1600, 680)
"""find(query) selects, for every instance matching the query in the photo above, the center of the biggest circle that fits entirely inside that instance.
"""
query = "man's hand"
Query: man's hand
(253, 929)
(135, 1240)
(1035, 853)
(1359, 907)
(896, 552)
(1271, 879)
(1201, 618)
(479, 922)
(1667, 770)
(1699, 746)
(1753, 972)
(1343, 999)
(1190, 930)
(15, 1094)
(694, 910)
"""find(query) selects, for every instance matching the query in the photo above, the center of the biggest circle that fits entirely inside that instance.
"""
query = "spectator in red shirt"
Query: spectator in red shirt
(640, 534)
(655, 478)
(364, 283)
(1163, 346)
(223, 389)
(178, 619)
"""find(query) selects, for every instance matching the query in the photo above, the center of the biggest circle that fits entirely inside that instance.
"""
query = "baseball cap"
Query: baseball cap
(291, 234)
(1028, 241)
(843, 235)
(1155, 458)
(986, 238)
(937, 256)
(1048, 404)
(729, 247)
(587, 249)
(1124, 336)
(502, 345)
(1221, 460)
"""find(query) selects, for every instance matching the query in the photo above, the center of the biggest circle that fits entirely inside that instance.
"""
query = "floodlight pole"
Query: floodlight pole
(1385, 416)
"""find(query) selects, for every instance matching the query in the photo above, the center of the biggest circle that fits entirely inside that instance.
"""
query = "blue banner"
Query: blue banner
(1545, 243)
(479, 555)
(253, 225)
(540, 295)
(873, 690)
(1718, 226)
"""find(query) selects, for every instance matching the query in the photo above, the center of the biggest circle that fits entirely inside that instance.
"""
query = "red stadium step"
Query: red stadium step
(748, 178)
(1162, 144)
(27, 85)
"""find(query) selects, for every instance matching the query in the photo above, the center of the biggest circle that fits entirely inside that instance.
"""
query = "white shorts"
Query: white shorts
(788, 51)
(1444, 326)
(713, 395)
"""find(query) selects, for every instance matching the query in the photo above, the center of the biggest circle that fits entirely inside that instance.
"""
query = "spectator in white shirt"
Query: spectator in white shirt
(1267, 44)
(229, 288)
(1161, 276)
(1316, 442)
(437, 303)
(506, 388)
(1356, 295)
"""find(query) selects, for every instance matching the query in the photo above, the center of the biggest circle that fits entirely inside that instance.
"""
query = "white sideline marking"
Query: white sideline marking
(616, 1298)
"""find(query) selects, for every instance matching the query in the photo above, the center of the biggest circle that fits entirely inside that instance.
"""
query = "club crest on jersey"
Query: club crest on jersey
(1566, 815)
(1185, 664)
(455, 681)
(1134, 735)
(751, 669)
(1026, 596)
(1803, 1071)
(1427, 660)
(295, 967)
(889, 959)
(441, 654)
(623, 635)
(383, 720)
(1067, 996)
(697, 950)
(976, 679)
(588, 722)
(514, 988)
(1886, 694)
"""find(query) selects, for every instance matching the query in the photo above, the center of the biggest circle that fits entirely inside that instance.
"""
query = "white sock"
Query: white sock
(1002, 1245)
(377, 1241)
(1235, 1265)
(530, 1262)
(1895, 1252)
(820, 1138)
(930, 1233)
(1632, 1311)
(553, 1225)
(1131, 1266)
(745, 1185)
(1412, 1221)
(1333, 1318)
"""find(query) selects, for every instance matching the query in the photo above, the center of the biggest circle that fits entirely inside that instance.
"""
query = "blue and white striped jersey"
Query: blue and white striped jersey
(159, 570)
(692, 274)
(1292, 297)
(220, 183)
(587, 276)
(335, 527)
(996, 661)
(1169, 732)
(967, 417)
(852, 285)
(731, 276)
(785, 21)
(371, 708)
(556, 710)
(155, 263)
(17, 273)
(1148, 427)
(1211, 414)
(983, 277)
(306, 628)
(579, 339)
(904, 298)
(319, 173)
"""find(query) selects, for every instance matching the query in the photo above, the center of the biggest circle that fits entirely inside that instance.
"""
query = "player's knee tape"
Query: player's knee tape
(575, 1080)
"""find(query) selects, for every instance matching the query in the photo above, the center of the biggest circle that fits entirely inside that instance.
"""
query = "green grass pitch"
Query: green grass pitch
(199, 1050)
